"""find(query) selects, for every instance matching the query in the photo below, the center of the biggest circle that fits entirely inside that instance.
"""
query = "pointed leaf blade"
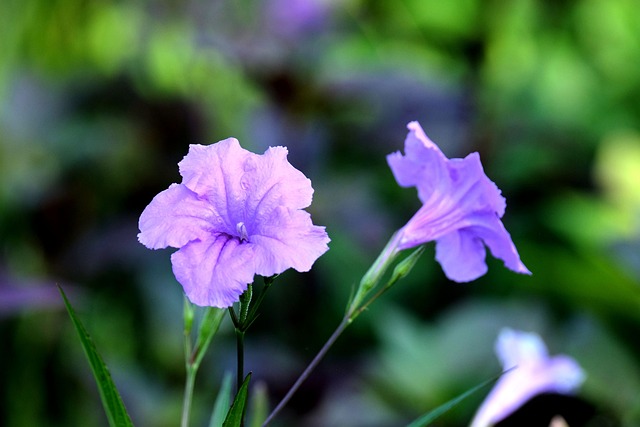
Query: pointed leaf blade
(429, 417)
(236, 413)
(111, 400)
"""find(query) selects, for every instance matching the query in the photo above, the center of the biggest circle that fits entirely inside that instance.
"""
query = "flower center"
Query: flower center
(241, 229)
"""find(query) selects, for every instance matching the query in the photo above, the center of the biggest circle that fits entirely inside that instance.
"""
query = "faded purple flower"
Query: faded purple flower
(461, 209)
(534, 372)
(235, 214)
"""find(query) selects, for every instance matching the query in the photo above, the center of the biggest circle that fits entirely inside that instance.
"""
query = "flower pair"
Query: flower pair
(237, 214)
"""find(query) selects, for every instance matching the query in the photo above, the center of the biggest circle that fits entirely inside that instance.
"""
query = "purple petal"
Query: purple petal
(516, 347)
(236, 214)
(491, 230)
(214, 272)
(288, 239)
(243, 186)
(173, 218)
(273, 182)
(423, 165)
(214, 173)
(534, 373)
(461, 255)
(461, 208)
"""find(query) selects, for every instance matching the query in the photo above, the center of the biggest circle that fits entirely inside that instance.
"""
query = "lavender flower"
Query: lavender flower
(461, 209)
(235, 214)
(534, 373)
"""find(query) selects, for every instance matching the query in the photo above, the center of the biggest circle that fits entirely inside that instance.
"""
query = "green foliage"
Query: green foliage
(222, 404)
(431, 416)
(111, 400)
(235, 417)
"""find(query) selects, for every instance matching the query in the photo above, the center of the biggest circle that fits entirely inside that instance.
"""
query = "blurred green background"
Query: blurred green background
(99, 100)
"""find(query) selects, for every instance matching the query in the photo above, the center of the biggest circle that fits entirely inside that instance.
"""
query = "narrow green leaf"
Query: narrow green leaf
(236, 413)
(428, 418)
(223, 400)
(111, 400)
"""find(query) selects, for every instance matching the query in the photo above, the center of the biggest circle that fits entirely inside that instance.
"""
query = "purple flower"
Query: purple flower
(533, 372)
(461, 209)
(235, 214)
(292, 18)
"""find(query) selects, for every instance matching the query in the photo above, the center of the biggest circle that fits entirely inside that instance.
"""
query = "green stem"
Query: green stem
(188, 362)
(376, 271)
(188, 395)
(316, 360)
(240, 354)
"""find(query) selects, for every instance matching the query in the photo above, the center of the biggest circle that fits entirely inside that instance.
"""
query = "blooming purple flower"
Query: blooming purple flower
(461, 209)
(235, 214)
(533, 372)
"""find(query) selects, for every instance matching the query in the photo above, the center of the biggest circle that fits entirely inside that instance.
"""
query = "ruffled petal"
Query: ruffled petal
(214, 173)
(461, 255)
(175, 217)
(288, 239)
(423, 166)
(461, 208)
(463, 191)
(214, 272)
(272, 181)
(243, 186)
(235, 214)
(490, 229)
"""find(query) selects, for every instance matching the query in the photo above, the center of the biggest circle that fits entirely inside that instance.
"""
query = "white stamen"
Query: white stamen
(241, 229)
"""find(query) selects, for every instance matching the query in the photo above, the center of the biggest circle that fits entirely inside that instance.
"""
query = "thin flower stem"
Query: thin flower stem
(240, 355)
(188, 359)
(316, 360)
(355, 312)
(188, 395)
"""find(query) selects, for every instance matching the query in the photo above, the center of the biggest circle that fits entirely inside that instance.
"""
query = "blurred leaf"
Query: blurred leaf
(208, 327)
(111, 400)
(236, 413)
(259, 405)
(618, 170)
(223, 400)
(582, 278)
(586, 220)
(113, 35)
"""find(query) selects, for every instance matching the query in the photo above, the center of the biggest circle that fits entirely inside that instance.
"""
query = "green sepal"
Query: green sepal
(429, 417)
(189, 314)
(223, 400)
(111, 400)
(405, 266)
(236, 413)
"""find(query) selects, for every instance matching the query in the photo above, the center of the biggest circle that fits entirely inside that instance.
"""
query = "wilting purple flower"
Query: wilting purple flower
(461, 209)
(235, 214)
(533, 372)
